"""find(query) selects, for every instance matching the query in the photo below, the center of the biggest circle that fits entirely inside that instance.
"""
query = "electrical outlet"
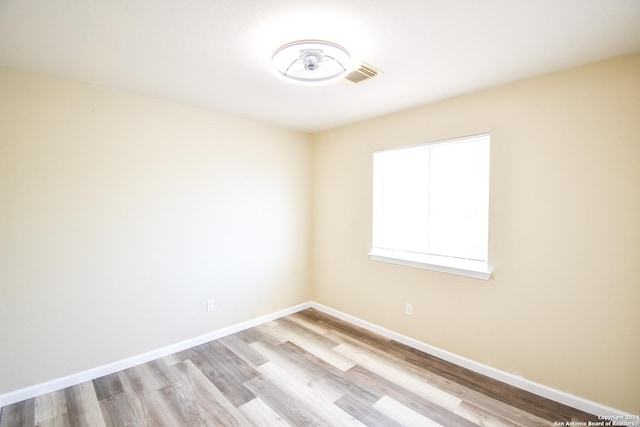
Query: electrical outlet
(210, 305)
(408, 309)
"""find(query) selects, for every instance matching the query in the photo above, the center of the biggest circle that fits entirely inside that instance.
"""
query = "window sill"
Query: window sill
(467, 268)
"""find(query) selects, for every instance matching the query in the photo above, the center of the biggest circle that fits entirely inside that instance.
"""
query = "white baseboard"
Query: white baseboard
(91, 374)
(511, 379)
(505, 377)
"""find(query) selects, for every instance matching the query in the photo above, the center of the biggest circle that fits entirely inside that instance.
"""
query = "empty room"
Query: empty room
(292, 213)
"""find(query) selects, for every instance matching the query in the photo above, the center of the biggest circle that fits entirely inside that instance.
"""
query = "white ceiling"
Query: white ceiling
(216, 53)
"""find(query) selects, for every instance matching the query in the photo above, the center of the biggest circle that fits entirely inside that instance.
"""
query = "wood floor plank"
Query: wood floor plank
(375, 364)
(513, 396)
(217, 407)
(402, 414)
(494, 408)
(118, 411)
(312, 379)
(497, 407)
(153, 375)
(318, 346)
(173, 359)
(144, 397)
(484, 418)
(107, 386)
(307, 323)
(83, 406)
(271, 334)
(305, 369)
(259, 414)
(225, 370)
(243, 350)
(308, 333)
(315, 369)
(323, 408)
(294, 411)
(50, 407)
(384, 387)
(365, 412)
(184, 407)
(329, 322)
(327, 373)
(18, 414)
(61, 420)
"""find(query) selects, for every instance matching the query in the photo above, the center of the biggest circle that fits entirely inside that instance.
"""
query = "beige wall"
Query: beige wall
(121, 215)
(562, 306)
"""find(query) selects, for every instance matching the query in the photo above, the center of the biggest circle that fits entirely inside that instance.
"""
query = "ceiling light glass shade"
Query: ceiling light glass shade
(311, 61)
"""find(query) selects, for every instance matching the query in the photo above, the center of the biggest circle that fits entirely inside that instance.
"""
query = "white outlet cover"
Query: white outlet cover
(408, 309)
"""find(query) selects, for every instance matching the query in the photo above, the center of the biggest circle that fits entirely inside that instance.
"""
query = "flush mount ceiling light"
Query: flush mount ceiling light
(311, 61)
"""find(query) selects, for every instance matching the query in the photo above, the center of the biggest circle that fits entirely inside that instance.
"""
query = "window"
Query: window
(431, 206)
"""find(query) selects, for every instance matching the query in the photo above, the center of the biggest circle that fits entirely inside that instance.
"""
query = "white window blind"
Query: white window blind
(431, 204)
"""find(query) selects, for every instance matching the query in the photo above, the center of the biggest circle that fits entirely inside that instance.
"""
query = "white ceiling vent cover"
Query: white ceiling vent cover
(362, 73)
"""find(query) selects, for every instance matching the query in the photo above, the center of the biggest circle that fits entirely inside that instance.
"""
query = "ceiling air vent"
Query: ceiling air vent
(364, 72)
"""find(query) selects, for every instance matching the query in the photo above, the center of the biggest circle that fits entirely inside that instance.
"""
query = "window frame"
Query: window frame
(446, 264)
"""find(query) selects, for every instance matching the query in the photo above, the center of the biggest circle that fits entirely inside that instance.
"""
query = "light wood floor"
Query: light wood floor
(306, 369)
